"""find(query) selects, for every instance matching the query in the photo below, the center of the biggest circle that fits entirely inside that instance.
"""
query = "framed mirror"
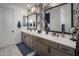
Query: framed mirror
(25, 19)
(59, 18)
(32, 21)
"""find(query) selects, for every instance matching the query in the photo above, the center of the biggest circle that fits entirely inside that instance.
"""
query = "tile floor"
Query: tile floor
(12, 50)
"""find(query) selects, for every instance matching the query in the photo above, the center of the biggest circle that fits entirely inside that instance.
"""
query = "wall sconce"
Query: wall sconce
(19, 24)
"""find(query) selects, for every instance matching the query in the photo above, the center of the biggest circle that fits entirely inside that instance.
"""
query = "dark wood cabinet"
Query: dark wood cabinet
(42, 49)
(56, 52)
(45, 47)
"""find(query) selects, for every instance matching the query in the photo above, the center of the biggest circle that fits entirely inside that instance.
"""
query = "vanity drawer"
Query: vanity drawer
(35, 38)
(47, 42)
(56, 52)
(67, 49)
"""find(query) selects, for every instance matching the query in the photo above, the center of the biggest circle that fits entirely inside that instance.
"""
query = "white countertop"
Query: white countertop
(65, 41)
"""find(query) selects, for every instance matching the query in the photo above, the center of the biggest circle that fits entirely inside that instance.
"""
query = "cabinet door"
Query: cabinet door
(55, 52)
(67, 49)
(48, 42)
(42, 49)
(34, 45)
(23, 36)
(27, 39)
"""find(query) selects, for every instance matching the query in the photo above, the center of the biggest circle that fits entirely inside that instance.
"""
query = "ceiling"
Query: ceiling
(30, 5)
(27, 5)
(23, 5)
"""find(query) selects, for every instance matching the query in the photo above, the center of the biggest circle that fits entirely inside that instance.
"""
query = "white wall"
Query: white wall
(18, 16)
(1, 24)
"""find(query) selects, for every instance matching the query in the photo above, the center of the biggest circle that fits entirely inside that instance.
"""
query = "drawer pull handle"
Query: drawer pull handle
(32, 41)
(65, 49)
(48, 49)
(24, 36)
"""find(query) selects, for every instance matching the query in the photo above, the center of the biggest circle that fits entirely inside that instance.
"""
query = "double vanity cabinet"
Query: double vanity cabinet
(44, 47)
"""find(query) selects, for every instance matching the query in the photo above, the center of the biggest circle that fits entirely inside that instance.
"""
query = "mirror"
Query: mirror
(59, 18)
(25, 21)
(32, 20)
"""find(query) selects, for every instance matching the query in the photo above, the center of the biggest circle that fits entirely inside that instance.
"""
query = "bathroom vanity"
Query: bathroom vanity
(48, 45)
(58, 19)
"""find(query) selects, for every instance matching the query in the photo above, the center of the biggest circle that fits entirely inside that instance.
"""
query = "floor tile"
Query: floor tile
(11, 50)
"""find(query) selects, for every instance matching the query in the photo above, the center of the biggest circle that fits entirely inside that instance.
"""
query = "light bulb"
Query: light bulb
(53, 4)
(33, 9)
(28, 6)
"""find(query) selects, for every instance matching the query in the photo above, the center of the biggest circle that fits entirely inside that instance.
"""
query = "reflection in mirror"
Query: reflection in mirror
(25, 24)
(32, 20)
(59, 18)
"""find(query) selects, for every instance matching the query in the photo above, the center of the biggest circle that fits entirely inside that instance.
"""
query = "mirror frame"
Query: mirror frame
(36, 21)
(24, 25)
(71, 17)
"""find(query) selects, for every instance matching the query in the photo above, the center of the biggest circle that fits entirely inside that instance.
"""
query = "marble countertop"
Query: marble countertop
(64, 41)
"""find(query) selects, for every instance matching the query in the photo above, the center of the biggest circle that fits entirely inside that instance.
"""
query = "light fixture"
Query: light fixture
(33, 9)
(53, 4)
(28, 6)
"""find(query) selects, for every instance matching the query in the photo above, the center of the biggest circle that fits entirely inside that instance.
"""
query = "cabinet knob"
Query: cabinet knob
(24, 36)
(32, 41)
